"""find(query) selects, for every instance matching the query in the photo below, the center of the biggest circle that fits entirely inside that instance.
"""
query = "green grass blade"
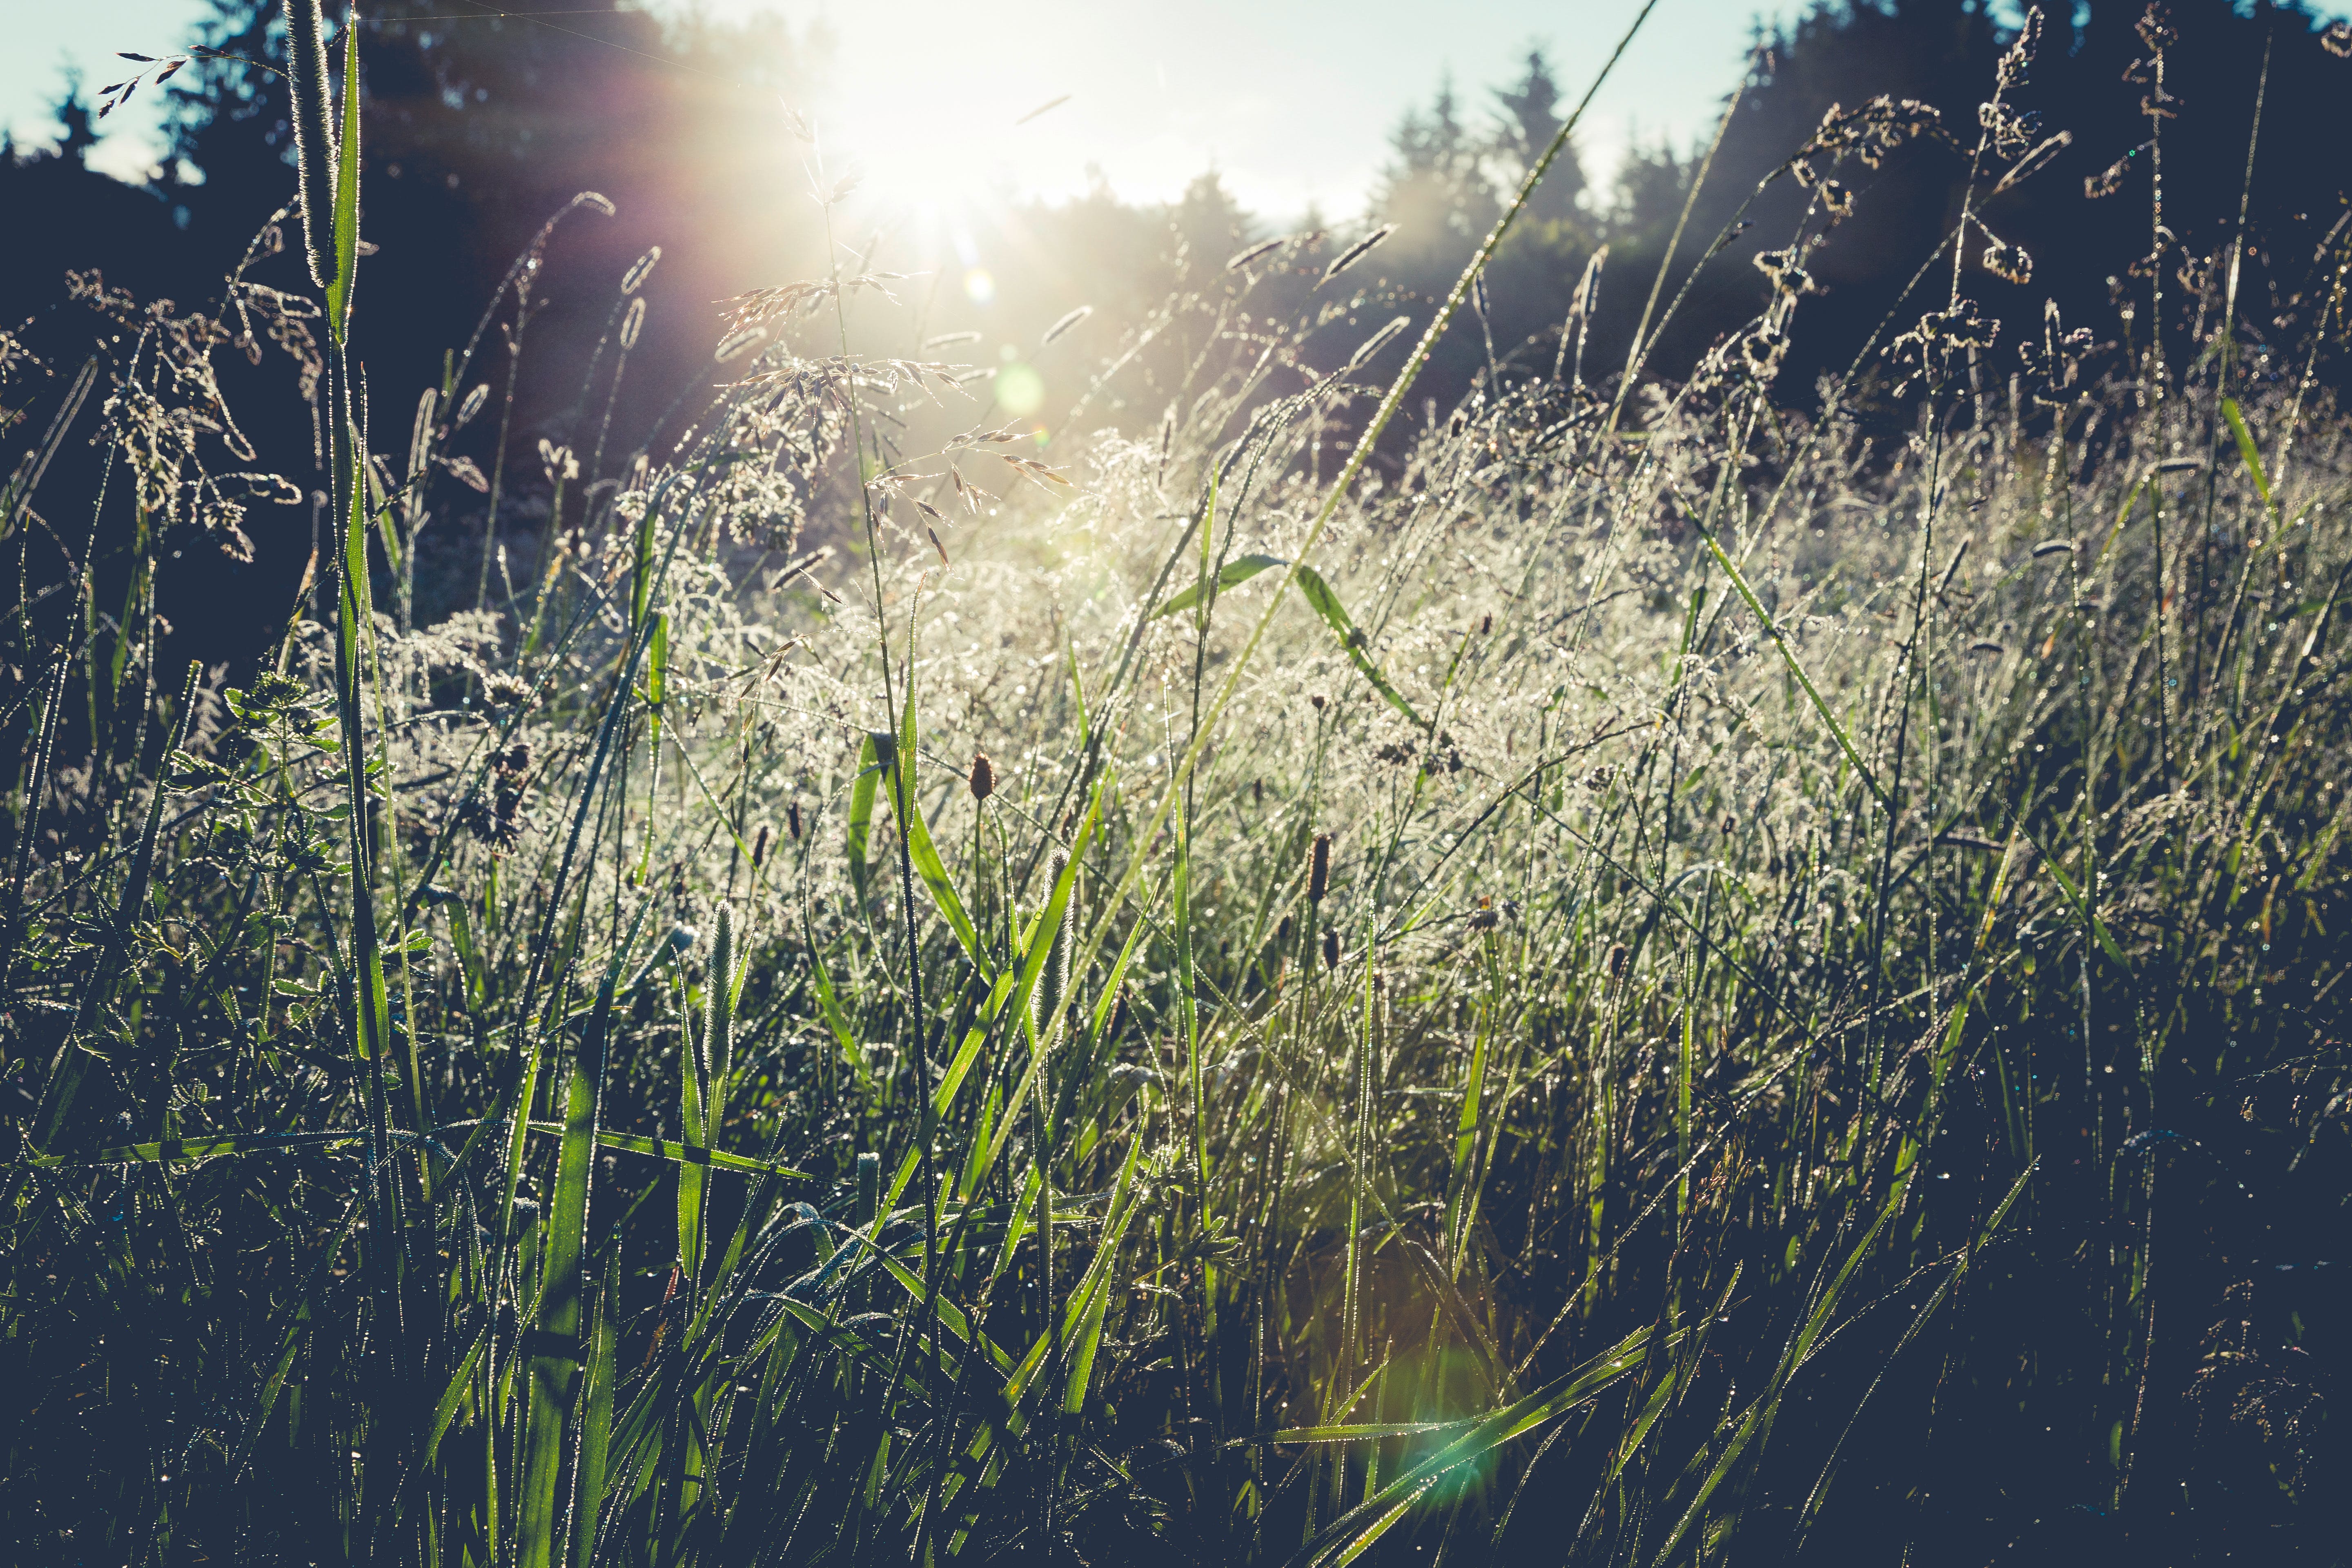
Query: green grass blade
(347, 189)
(701, 1065)
(596, 1424)
(1326, 602)
(1240, 569)
(1086, 1336)
(861, 815)
(1811, 1511)
(957, 1322)
(950, 1084)
(553, 1353)
(1465, 1141)
(926, 858)
(454, 1395)
(293, 1329)
(2247, 450)
(174, 1151)
(2074, 901)
(1357, 1432)
(1042, 941)
(682, 1153)
(656, 697)
(836, 1020)
(1796, 668)
(71, 1062)
(1355, 1531)
(1188, 1006)
(1758, 1415)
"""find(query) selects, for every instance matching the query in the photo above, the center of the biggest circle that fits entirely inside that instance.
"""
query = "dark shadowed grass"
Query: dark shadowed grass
(1647, 974)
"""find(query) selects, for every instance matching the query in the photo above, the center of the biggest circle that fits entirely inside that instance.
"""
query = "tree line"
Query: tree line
(480, 127)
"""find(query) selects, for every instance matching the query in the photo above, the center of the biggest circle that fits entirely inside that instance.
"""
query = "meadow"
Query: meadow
(1654, 967)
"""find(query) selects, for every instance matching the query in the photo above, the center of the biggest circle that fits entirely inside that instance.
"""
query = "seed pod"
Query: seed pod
(792, 820)
(1330, 949)
(314, 135)
(1319, 870)
(759, 846)
(983, 776)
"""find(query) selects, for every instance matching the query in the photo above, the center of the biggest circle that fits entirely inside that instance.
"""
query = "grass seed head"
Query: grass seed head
(1355, 253)
(1242, 259)
(1054, 976)
(1067, 321)
(1586, 297)
(2011, 263)
(314, 135)
(471, 405)
(2017, 63)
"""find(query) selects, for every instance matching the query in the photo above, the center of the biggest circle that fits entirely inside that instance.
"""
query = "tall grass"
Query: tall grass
(1643, 975)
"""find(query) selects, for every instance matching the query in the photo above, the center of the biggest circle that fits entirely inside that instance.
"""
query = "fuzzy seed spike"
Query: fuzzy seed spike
(314, 135)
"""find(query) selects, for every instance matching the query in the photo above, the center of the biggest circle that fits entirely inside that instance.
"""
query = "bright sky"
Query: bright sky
(1291, 100)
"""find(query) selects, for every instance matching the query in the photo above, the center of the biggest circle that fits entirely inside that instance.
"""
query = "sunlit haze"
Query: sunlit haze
(1291, 104)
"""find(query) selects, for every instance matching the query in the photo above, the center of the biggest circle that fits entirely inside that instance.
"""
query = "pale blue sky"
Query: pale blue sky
(1290, 99)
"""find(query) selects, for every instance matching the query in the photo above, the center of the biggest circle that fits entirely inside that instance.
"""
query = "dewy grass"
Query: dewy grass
(1516, 1052)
